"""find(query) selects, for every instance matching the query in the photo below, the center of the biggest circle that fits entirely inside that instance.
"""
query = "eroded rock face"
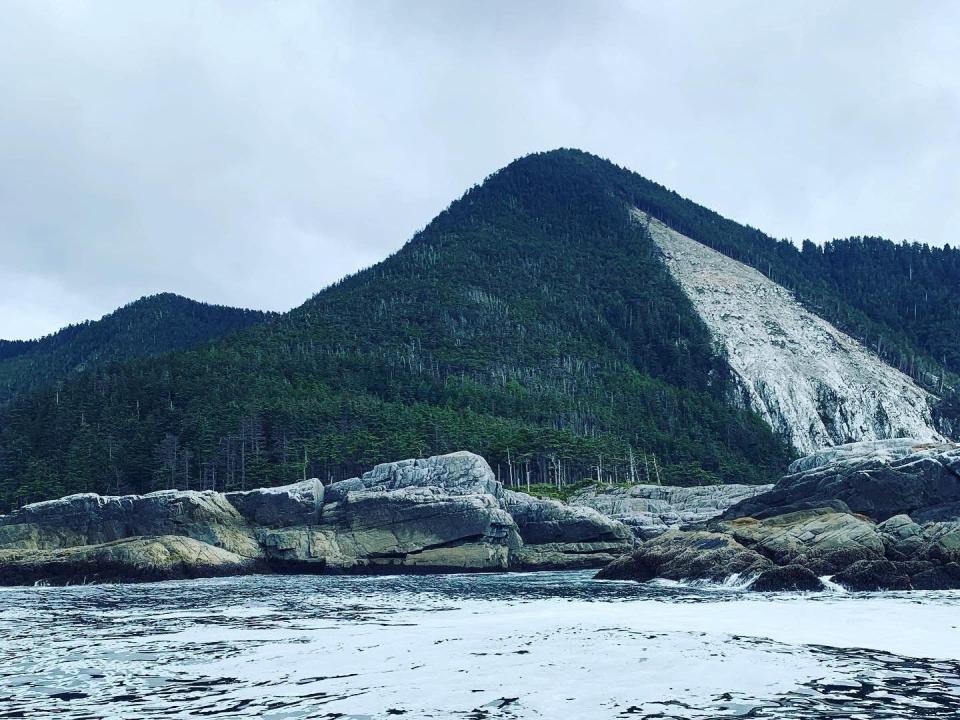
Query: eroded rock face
(139, 559)
(446, 513)
(651, 510)
(295, 504)
(90, 519)
(556, 535)
(806, 378)
(877, 479)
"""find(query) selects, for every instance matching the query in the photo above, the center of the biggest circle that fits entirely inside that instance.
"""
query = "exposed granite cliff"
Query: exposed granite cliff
(445, 513)
(807, 379)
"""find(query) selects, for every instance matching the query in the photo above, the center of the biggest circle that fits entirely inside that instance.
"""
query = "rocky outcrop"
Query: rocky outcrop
(807, 379)
(879, 515)
(794, 551)
(408, 528)
(555, 535)
(89, 519)
(460, 473)
(140, 559)
(820, 540)
(878, 479)
(651, 510)
(688, 555)
(445, 513)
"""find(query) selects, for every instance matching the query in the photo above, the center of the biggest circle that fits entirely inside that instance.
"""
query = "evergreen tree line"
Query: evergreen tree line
(150, 326)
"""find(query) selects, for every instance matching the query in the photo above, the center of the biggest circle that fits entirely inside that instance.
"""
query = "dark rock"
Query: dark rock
(787, 578)
(680, 555)
(944, 577)
(873, 575)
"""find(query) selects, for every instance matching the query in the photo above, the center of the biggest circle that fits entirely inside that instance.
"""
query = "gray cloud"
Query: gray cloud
(251, 153)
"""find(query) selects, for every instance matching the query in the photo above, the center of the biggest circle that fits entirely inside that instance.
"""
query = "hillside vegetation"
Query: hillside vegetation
(148, 327)
(532, 322)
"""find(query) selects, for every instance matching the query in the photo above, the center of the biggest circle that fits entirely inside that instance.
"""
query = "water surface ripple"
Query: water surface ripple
(546, 645)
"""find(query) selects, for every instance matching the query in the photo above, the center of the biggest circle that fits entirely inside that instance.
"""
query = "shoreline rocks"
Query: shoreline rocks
(650, 510)
(880, 479)
(441, 514)
(842, 513)
(794, 552)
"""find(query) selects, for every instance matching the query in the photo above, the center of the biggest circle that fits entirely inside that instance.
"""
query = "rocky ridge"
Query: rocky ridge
(445, 513)
(811, 382)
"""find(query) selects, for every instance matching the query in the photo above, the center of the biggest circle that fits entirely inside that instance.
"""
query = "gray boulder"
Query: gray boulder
(879, 479)
(407, 528)
(337, 492)
(460, 473)
(556, 535)
(549, 521)
(89, 519)
(296, 504)
(879, 451)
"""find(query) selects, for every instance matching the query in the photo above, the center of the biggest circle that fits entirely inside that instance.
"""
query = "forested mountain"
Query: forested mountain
(533, 321)
(147, 327)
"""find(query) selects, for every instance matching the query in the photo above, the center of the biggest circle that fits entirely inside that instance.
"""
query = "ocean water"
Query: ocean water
(545, 645)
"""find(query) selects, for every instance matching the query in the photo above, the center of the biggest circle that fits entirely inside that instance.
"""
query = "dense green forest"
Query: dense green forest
(151, 326)
(531, 322)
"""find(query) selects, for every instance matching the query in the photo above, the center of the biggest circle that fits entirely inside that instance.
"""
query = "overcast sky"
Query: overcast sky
(249, 153)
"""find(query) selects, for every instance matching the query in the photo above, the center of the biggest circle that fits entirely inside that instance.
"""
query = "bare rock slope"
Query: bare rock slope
(808, 380)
